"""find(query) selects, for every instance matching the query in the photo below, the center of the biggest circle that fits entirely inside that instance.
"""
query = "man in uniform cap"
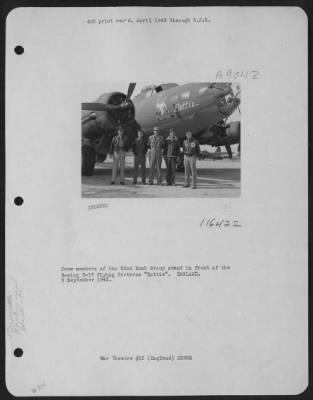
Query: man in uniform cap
(191, 151)
(140, 148)
(155, 144)
(171, 151)
(119, 147)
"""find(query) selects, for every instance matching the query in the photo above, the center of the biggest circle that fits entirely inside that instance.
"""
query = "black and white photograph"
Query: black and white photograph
(155, 140)
(156, 201)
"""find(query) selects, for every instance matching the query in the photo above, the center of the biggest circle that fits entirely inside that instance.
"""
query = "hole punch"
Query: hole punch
(18, 200)
(18, 352)
(19, 50)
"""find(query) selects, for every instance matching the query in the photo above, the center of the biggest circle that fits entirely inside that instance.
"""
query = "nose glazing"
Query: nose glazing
(228, 104)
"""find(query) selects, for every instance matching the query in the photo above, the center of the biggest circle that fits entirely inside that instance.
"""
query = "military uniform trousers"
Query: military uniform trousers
(171, 170)
(155, 163)
(190, 167)
(118, 162)
(140, 161)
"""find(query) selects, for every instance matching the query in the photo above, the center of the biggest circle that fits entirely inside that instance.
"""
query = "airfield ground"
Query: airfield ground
(219, 178)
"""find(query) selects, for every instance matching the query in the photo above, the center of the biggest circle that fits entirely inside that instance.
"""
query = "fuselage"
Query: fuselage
(194, 107)
(191, 107)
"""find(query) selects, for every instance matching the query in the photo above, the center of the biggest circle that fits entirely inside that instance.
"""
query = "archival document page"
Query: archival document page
(170, 261)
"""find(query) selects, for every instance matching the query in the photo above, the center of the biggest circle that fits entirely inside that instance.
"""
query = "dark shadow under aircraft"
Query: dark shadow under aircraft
(201, 108)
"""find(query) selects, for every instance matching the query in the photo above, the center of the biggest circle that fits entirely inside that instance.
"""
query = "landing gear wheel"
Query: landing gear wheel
(101, 158)
(229, 151)
(88, 160)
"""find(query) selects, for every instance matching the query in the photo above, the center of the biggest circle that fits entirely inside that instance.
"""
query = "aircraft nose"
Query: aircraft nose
(223, 89)
(228, 104)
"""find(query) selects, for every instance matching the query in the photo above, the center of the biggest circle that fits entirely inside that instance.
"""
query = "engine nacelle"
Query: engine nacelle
(107, 121)
(234, 130)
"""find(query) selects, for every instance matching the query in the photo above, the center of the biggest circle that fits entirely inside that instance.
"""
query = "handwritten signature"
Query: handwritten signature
(39, 387)
(16, 323)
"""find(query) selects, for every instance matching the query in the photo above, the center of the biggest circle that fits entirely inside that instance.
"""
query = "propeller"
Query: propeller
(98, 107)
(89, 117)
(130, 91)
(110, 107)
(227, 146)
(236, 95)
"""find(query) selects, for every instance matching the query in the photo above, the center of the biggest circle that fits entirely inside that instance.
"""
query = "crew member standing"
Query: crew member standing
(171, 151)
(156, 143)
(191, 151)
(119, 147)
(140, 148)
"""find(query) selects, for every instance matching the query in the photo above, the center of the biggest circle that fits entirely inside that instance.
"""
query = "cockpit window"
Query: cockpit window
(167, 86)
(185, 95)
(151, 90)
(149, 93)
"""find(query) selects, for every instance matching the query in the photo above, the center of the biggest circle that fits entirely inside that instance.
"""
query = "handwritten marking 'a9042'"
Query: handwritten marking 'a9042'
(219, 223)
(232, 75)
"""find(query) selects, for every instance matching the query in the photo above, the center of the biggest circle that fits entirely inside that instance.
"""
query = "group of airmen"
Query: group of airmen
(157, 148)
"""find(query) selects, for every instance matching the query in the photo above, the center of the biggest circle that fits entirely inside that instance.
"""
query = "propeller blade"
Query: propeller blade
(109, 107)
(89, 117)
(229, 150)
(98, 107)
(130, 91)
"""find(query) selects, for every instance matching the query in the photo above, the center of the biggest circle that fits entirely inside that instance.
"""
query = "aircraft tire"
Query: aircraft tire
(88, 160)
(101, 158)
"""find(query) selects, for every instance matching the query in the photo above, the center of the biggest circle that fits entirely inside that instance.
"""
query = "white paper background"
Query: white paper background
(247, 328)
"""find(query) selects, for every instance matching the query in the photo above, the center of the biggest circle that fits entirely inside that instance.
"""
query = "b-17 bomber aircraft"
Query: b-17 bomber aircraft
(201, 108)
